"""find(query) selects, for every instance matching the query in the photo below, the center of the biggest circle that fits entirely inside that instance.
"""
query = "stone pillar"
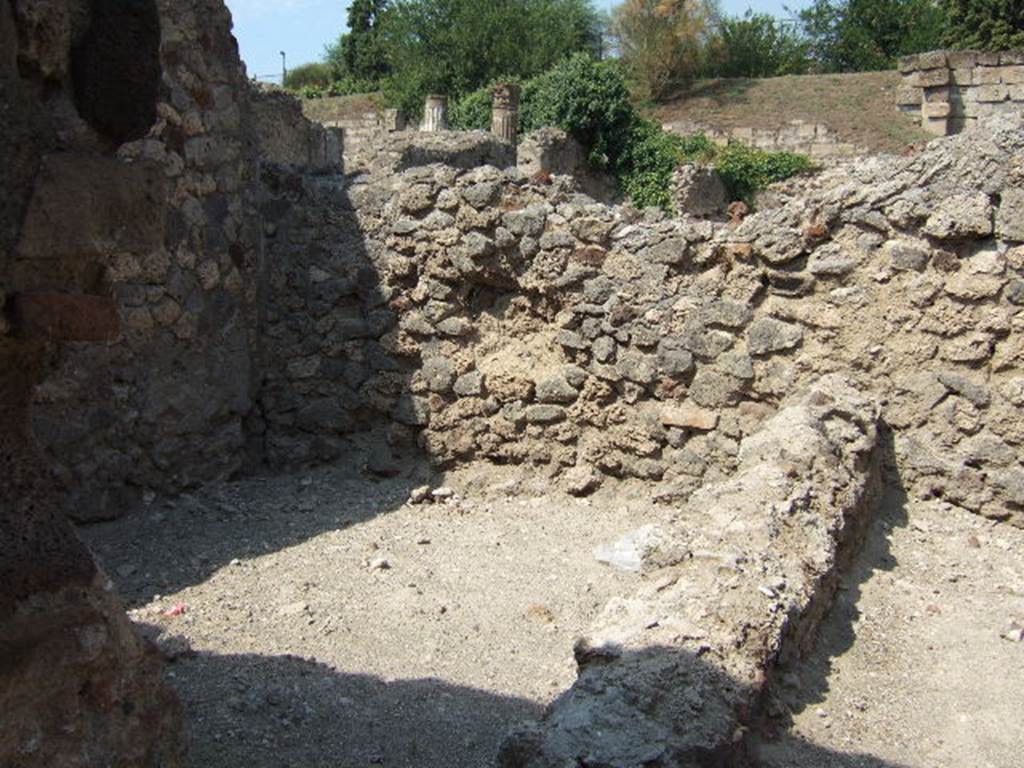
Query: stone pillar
(393, 120)
(505, 112)
(435, 114)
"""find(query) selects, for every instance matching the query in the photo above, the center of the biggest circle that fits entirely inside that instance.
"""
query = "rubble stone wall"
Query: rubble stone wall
(951, 90)
(163, 407)
(492, 316)
(78, 687)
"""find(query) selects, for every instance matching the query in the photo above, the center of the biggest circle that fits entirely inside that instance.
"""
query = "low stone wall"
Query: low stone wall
(951, 90)
(492, 316)
(285, 137)
(816, 140)
(359, 133)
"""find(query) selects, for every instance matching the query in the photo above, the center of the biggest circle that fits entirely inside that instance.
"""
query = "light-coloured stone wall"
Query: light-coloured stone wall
(816, 140)
(359, 133)
(949, 91)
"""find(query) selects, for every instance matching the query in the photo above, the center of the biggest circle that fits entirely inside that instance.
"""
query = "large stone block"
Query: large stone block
(932, 60)
(962, 60)
(64, 317)
(993, 93)
(933, 77)
(1013, 74)
(936, 109)
(907, 64)
(962, 76)
(908, 96)
(83, 211)
(987, 75)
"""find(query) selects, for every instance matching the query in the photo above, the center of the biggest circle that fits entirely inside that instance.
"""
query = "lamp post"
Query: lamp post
(284, 69)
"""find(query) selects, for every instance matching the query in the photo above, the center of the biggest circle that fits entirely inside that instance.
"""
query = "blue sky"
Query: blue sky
(302, 28)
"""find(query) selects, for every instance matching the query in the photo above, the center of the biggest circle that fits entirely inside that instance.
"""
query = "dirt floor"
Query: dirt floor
(322, 621)
(327, 623)
(912, 668)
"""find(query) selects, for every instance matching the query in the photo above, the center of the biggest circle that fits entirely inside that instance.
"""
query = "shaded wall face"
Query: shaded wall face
(152, 187)
(77, 686)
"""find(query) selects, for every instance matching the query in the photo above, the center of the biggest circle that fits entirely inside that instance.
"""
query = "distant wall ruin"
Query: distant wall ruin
(949, 91)
(816, 140)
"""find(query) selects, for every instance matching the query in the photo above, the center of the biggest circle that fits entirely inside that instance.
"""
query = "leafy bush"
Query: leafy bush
(588, 99)
(649, 159)
(472, 112)
(756, 45)
(314, 74)
(746, 170)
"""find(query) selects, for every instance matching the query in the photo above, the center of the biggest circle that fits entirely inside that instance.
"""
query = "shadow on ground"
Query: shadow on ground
(805, 683)
(289, 712)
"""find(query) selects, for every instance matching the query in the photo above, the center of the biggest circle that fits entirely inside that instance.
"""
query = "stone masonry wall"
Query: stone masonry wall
(78, 686)
(500, 318)
(816, 140)
(163, 406)
(951, 90)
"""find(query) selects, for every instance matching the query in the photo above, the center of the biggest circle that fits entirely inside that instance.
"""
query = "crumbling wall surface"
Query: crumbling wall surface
(515, 321)
(162, 219)
(674, 674)
(77, 686)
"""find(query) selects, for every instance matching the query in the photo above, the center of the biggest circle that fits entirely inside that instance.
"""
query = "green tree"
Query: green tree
(316, 74)
(454, 47)
(661, 42)
(360, 52)
(756, 45)
(863, 35)
(987, 25)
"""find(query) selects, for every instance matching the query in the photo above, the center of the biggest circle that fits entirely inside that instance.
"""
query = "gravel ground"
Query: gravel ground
(912, 667)
(328, 623)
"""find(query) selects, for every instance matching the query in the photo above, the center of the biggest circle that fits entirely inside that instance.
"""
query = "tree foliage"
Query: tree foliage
(454, 47)
(359, 53)
(756, 45)
(864, 35)
(661, 42)
(987, 25)
(316, 74)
